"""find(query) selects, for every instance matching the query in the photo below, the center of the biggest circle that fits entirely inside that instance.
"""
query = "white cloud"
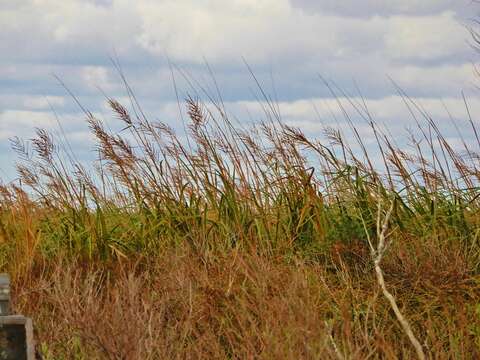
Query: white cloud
(64, 29)
(43, 102)
(225, 31)
(31, 102)
(17, 118)
(98, 77)
(370, 8)
(22, 123)
(425, 38)
(273, 31)
(315, 113)
(263, 31)
(445, 79)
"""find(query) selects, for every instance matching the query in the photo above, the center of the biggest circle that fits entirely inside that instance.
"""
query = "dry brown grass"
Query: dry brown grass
(234, 306)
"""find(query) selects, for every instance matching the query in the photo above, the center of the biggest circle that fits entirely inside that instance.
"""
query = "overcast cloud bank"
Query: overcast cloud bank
(423, 45)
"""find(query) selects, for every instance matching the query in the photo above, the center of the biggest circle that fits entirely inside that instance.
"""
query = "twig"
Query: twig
(332, 341)
(382, 228)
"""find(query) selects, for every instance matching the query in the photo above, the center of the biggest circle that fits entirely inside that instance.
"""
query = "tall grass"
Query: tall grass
(243, 242)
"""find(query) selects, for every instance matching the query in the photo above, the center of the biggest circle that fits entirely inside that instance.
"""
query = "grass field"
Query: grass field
(245, 243)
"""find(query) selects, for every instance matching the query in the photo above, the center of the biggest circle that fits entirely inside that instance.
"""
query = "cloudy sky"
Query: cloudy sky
(423, 45)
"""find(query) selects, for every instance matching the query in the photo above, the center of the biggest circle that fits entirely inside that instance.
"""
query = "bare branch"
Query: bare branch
(382, 227)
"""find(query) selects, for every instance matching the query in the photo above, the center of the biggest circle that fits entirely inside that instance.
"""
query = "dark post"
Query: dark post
(4, 294)
(16, 331)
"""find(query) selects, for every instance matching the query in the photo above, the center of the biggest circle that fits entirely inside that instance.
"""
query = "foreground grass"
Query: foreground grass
(243, 243)
(241, 306)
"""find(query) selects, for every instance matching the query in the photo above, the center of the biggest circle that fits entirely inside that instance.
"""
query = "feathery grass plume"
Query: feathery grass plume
(244, 241)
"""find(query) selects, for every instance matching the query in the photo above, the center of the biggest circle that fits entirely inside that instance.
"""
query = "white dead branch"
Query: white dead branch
(377, 254)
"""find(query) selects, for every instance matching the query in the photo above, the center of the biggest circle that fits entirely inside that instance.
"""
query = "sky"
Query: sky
(363, 46)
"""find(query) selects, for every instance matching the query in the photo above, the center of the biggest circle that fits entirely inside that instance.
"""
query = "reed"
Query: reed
(244, 242)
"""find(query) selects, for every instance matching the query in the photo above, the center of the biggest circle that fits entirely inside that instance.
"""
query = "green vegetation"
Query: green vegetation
(244, 242)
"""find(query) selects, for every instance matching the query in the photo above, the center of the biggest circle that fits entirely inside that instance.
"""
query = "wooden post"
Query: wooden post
(4, 294)
(16, 331)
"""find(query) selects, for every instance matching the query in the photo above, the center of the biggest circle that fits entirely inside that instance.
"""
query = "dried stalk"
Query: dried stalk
(377, 258)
